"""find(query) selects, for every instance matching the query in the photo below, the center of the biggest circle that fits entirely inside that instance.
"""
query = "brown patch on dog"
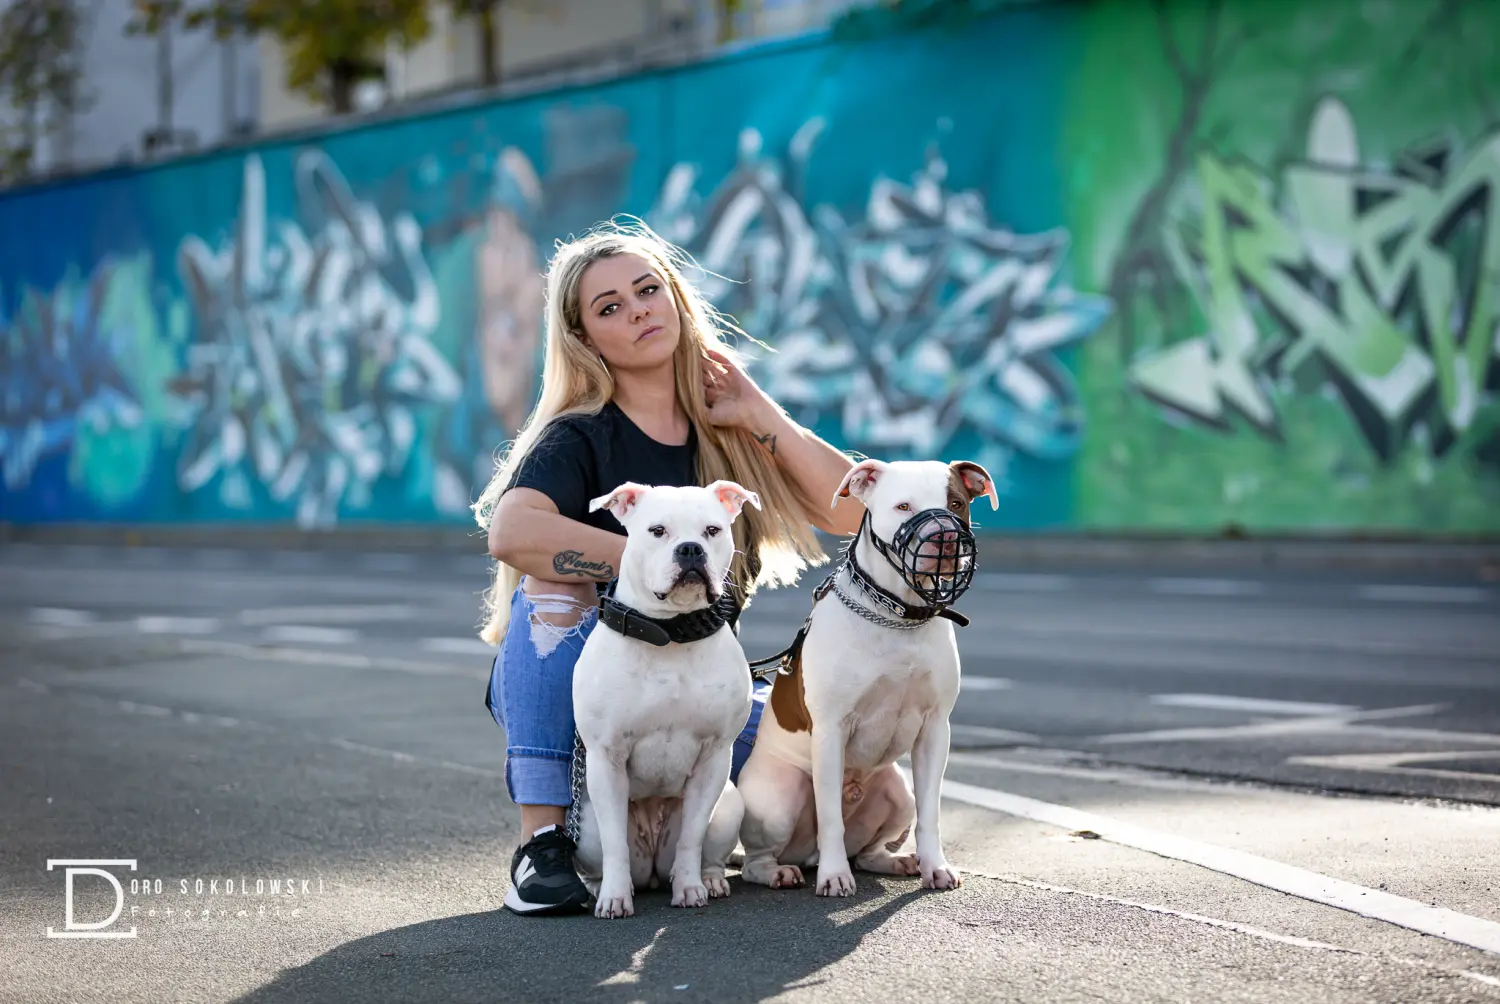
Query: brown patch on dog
(788, 701)
(958, 494)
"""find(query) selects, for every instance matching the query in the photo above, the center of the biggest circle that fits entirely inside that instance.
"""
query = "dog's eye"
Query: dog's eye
(712, 531)
(904, 507)
(657, 531)
(954, 505)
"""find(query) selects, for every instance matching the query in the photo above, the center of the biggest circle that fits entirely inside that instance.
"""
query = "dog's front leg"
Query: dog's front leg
(834, 875)
(704, 786)
(609, 796)
(929, 761)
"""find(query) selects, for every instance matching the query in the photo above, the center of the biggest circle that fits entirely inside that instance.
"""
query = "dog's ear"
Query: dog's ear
(622, 501)
(976, 481)
(860, 479)
(733, 497)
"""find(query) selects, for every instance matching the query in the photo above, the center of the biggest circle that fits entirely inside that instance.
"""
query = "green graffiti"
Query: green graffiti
(1379, 283)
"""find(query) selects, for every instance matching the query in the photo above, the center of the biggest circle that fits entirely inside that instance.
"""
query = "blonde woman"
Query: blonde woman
(638, 384)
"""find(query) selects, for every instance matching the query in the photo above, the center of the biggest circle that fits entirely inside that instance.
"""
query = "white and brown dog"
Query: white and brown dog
(660, 692)
(876, 678)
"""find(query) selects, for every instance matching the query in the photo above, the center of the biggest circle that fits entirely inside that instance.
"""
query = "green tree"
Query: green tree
(487, 14)
(41, 77)
(329, 45)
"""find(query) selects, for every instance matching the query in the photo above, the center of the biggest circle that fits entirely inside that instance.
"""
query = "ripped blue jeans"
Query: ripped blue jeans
(530, 696)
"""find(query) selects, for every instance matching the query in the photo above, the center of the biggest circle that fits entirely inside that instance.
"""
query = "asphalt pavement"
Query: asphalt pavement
(1167, 784)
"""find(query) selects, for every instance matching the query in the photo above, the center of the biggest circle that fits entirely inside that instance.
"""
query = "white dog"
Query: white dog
(660, 692)
(877, 678)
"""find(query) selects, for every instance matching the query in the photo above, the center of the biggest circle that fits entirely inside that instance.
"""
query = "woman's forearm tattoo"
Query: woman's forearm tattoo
(573, 563)
(768, 441)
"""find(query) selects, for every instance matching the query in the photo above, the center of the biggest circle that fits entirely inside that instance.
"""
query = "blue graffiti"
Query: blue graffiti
(910, 327)
(61, 375)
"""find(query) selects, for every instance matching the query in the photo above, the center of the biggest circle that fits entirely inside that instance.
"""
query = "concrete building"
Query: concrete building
(157, 97)
(541, 42)
(151, 97)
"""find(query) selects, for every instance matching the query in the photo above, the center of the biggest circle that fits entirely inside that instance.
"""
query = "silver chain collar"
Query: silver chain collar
(897, 622)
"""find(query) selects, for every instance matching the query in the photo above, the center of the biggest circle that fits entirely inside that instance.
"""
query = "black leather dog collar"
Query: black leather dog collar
(660, 631)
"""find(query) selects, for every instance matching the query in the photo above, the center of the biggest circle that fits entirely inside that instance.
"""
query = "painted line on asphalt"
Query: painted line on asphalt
(1252, 705)
(1423, 594)
(339, 660)
(458, 646)
(176, 625)
(976, 683)
(302, 634)
(1103, 775)
(1238, 928)
(62, 617)
(1317, 725)
(1450, 925)
(1165, 911)
(139, 708)
(1396, 763)
(1206, 587)
(338, 613)
(223, 721)
(985, 734)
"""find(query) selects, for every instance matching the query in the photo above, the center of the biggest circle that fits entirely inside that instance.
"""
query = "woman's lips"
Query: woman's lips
(649, 332)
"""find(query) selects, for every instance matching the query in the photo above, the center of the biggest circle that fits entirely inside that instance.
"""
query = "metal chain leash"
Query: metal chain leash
(578, 777)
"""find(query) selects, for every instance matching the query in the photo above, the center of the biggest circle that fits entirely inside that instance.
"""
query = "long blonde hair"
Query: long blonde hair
(774, 544)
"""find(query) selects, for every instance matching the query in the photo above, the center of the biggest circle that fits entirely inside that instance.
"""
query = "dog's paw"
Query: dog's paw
(690, 894)
(943, 876)
(835, 881)
(787, 877)
(717, 885)
(613, 902)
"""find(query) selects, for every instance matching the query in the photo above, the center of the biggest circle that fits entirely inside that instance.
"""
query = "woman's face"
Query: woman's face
(629, 315)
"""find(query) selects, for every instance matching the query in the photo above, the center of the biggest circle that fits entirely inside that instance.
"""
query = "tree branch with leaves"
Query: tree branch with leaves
(329, 46)
(41, 77)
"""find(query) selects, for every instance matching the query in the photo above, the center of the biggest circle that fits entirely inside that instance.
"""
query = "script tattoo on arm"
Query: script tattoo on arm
(768, 441)
(573, 563)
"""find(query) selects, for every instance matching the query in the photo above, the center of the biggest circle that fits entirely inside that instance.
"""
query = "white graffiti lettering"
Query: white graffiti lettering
(313, 348)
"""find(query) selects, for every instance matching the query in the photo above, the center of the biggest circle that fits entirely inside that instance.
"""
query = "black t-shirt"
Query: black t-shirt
(581, 457)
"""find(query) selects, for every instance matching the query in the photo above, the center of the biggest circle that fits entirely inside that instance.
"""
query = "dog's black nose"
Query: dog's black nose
(690, 552)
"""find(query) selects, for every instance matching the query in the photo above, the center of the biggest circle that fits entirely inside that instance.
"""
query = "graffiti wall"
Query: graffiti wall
(1291, 208)
(1156, 266)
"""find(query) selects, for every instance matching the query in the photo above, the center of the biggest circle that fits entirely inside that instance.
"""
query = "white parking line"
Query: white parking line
(1342, 722)
(457, 646)
(1252, 705)
(971, 682)
(1023, 583)
(1396, 763)
(301, 634)
(344, 613)
(985, 734)
(1423, 594)
(177, 625)
(61, 617)
(1205, 587)
(1439, 922)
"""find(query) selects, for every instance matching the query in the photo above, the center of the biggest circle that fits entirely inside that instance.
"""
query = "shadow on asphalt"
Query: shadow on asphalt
(757, 944)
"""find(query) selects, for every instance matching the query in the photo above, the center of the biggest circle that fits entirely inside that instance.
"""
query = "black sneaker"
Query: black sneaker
(542, 877)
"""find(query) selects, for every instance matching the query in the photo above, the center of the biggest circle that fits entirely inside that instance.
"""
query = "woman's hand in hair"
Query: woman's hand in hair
(815, 468)
(733, 398)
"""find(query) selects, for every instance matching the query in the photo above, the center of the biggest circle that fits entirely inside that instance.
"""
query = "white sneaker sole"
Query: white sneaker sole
(516, 904)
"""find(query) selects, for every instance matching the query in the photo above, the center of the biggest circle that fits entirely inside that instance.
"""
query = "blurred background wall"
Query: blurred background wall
(1175, 267)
